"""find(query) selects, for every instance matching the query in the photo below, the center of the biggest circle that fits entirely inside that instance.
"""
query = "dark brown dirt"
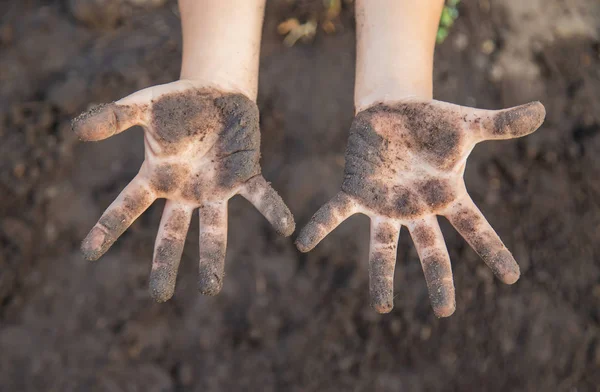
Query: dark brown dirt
(239, 140)
(285, 320)
(519, 121)
(434, 135)
(185, 116)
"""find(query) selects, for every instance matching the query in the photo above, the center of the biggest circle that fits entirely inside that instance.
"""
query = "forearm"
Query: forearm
(395, 44)
(221, 43)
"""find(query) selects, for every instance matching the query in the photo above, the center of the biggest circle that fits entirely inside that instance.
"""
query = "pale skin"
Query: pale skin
(221, 43)
(406, 155)
(405, 158)
(395, 40)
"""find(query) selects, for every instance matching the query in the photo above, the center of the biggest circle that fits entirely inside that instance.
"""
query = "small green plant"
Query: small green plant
(449, 15)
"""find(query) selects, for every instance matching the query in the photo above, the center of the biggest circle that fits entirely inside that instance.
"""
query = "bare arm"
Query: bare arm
(406, 155)
(221, 43)
(202, 141)
(395, 43)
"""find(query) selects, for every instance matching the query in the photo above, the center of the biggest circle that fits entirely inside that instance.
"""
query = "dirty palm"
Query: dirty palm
(404, 166)
(202, 147)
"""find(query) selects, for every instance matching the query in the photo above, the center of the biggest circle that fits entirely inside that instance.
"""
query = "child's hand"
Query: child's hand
(404, 165)
(202, 148)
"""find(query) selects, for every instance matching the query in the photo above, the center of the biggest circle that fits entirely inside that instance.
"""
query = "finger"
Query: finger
(428, 240)
(510, 123)
(382, 262)
(475, 229)
(105, 120)
(266, 200)
(168, 248)
(127, 207)
(213, 244)
(327, 218)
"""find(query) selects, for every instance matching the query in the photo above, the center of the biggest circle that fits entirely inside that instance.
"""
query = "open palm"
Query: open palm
(202, 147)
(404, 165)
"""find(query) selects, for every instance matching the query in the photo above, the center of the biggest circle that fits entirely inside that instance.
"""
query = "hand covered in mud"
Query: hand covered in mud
(404, 165)
(202, 148)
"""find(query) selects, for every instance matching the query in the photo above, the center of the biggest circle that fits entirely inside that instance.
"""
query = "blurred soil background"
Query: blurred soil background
(287, 321)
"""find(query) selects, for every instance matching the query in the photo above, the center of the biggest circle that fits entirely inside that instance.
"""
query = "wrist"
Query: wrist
(208, 65)
(220, 82)
(221, 43)
(394, 51)
(384, 81)
(393, 89)
(392, 70)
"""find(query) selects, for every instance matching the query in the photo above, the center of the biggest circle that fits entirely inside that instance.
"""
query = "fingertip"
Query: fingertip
(162, 284)
(289, 230)
(94, 245)
(98, 123)
(210, 284)
(442, 311)
(539, 107)
(537, 113)
(442, 298)
(511, 278)
(271, 205)
(306, 240)
(382, 307)
(160, 294)
(302, 247)
(90, 255)
(506, 268)
(285, 224)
